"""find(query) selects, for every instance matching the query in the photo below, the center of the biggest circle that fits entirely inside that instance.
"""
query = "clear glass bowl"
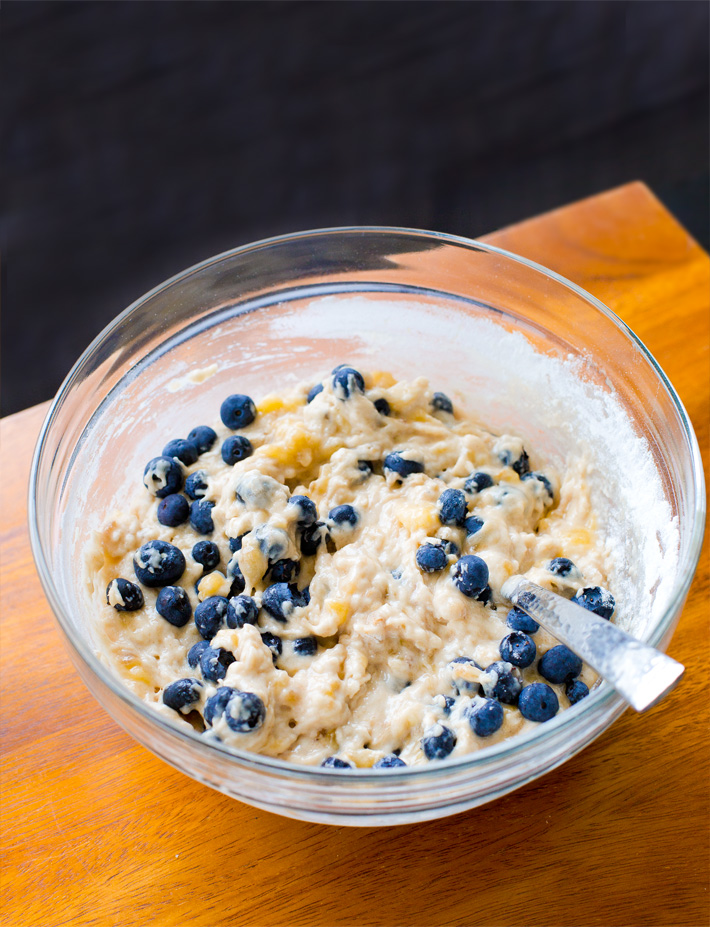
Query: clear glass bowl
(517, 344)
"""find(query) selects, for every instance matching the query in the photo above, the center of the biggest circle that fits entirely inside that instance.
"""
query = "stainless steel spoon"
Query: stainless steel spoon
(639, 673)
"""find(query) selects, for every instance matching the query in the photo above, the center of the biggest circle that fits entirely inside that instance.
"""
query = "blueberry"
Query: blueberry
(441, 403)
(597, 600)
(400, 465)
(460, 684)
(182, 693)
(452, 507)
(206, 553)
(124, 595)
(311, 538)
(235, 544)
(346, 381)
(313, 392)
(431, 558)
(307, 512)
(214, 662)
(304, 596)
(244, 712)
(201, 516)
(342, 516)
(538, 702)
(473, 525)
(449, 703)
(280, 600)
(438, 742)
(486, 717)
(173, 510)
(576, 690)
(477, 482)
(543, 480)
(389, 762)
(520, 464)
(235, 448)
(195, 652)
(519, 621)
(196, 484)
(305, 646)
(210, 615)
(185, 451)
(517, 648)
(273, 642)
(273, 542)
(506, 683)
(235, 574)
(237, 411)
(559, 664)
(158, 563)
(173, 604)
(203, 437)
(485, 596)
(561, 566)
(163, 476)
(382, 406)
(470, 575)
(450, 548)
(285, 571)
(334, 762)
(215, 704)
(241, 610)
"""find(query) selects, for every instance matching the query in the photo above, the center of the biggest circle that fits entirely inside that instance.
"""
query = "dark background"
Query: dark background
(141, 137)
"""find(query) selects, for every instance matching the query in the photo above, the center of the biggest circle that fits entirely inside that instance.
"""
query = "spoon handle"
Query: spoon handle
(639, 673)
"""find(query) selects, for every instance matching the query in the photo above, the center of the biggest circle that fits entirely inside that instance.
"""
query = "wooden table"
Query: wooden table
(98, 831)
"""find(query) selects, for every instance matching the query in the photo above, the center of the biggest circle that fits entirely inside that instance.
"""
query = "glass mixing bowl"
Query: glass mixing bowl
(517, 345)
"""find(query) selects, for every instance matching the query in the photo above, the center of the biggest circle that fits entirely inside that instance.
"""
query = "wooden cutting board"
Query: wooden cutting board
(98, 831)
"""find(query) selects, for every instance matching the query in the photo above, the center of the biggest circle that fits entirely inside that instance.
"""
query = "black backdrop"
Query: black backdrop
(140, 137)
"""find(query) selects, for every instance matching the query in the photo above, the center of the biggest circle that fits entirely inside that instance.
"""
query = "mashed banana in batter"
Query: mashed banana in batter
(317, 578)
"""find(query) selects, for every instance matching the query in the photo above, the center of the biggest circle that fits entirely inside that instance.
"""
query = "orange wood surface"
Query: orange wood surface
(98, 831)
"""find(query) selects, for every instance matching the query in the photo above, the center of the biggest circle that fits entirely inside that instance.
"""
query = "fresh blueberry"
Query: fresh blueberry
(520, 464)
(235, 448)
(305, 646)
(460, 684)
(334, 762)
(472, 525)
(382, 406)
(307, 512)
(485, 717)
(313, 392)
(206, 553)
(273, 542)
(273, 642)
(241, 610)
(173, 604)
(597, 600)
(311, 538)
(400, 465)
(438, 742)
(346, 381)
(505, 684)
(538, 702)
(284, 571)
(158, 563)
(196, 484)
(163, 476)
(452, 507)
(210, 615)
(576, 690)
(451, 549)
(303, 597)
(215, 704)
(342, 516)
(124, 595)
(201, 516)
(559, 664)
(561, 566)
(280, 600)
(442, 403)
(214, 662)
(449, 703)
(195, 652)
(389, 762)
(244, 712)
(235, 544)
(542, 479)
(470, 575)
(237, 411)
(517, 648)
(477, 482)
(431, 558)
(203, 437)
(173, 510)
(182, 693)
(235, 575)
(185, 451)
(518, 620)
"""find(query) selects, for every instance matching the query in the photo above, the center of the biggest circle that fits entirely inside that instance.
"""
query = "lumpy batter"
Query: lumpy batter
(317, 578)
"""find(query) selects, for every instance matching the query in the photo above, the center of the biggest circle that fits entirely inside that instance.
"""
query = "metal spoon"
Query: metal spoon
(639, 673)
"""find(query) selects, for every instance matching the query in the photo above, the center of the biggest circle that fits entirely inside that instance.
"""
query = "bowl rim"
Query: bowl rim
(600, 697)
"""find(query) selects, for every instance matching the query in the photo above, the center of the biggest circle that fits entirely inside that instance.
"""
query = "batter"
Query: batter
(317, 577)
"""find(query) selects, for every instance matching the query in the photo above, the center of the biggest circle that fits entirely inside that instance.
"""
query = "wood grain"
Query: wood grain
(97, 831)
